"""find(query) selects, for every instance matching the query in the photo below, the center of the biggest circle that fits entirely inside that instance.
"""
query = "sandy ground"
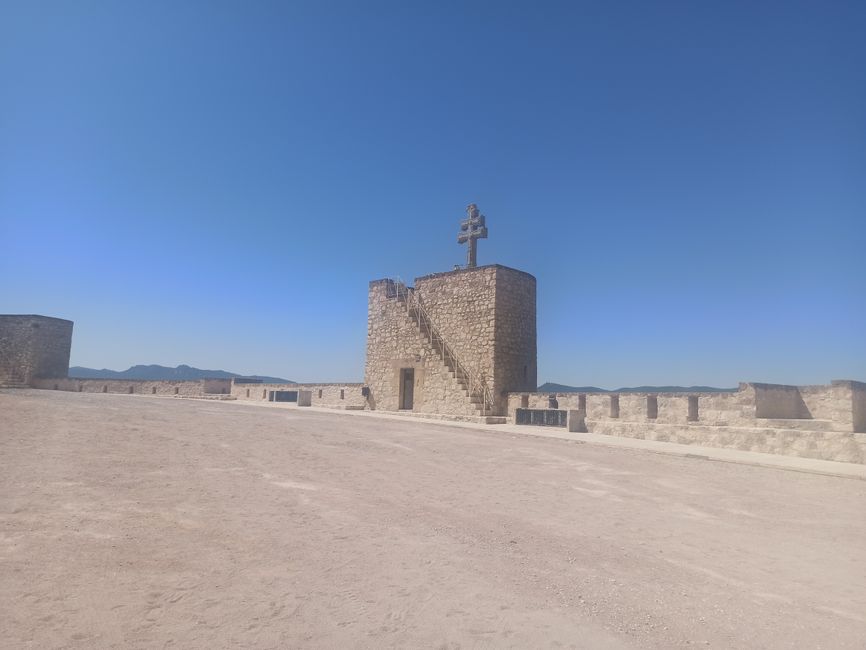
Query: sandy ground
(141, 522)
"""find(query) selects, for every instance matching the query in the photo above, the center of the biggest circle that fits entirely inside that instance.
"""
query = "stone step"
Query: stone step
(11, 384)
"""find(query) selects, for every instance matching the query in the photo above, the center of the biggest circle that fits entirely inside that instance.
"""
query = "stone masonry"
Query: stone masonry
(33, 347)
(467, 337)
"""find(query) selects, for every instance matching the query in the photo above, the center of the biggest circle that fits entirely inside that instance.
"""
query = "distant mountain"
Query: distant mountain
(550, 387)
(562, 388)
(158, 373)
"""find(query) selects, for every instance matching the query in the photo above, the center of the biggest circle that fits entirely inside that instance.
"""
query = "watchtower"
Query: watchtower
(455, 343)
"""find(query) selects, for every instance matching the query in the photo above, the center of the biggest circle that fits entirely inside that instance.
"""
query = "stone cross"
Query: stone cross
(471, 230)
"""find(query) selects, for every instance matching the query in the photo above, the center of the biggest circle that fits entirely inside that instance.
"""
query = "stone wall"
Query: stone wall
(164, 388)
(858, 414)
(339, 396)
(217, 386)
(735, 407)
(779, 401)
(826, 422)
(515, 347)
(33, 347)
(486, 315)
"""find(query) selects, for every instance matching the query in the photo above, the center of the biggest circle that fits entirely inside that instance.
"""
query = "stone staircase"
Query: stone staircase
(475, 391)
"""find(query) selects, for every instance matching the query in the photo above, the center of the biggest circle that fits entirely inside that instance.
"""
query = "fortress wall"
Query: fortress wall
(730, 419)
(217, 386)
(394, 342)
(166, 388)
(833, 402)
(838, 446)
(720, 408)
(341, 396)
(32, 347)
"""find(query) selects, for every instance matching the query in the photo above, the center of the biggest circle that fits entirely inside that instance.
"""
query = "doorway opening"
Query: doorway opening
(407, 388)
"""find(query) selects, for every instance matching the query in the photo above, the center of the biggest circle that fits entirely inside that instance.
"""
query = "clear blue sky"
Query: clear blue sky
(215, 183)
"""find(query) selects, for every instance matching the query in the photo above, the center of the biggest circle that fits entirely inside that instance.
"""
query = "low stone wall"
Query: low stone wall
(177, 388)
(826, 422)
(339, 396)
(840, 446)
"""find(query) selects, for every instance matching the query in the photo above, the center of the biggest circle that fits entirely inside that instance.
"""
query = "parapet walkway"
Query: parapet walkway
(775, 461)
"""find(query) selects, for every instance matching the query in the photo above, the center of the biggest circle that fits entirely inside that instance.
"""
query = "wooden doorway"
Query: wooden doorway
(407, 388)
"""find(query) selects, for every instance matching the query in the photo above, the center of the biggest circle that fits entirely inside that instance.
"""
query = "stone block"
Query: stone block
(576, 421)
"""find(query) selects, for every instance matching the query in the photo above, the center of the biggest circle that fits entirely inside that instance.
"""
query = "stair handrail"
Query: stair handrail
(477, 385)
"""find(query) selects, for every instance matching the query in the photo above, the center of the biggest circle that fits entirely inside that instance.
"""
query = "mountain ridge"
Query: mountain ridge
(155, 372)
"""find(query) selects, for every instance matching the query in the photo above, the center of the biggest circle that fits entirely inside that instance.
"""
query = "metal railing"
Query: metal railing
(475, 382)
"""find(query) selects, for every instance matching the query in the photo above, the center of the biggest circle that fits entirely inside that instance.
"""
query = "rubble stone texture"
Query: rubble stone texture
(33, 347)
(486, 316)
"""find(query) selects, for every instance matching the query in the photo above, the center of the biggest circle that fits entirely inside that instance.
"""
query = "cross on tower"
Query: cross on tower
(471, 230)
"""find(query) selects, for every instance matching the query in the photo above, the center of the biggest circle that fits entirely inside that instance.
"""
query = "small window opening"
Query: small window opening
(248, 392)
(131, 390)
(176, 390)
(56, 387)
(524, 373)
(693, 408)
(265, 393)
(342, 394)
(105, 389)
(524, 401)
(652, 407)
(80, 388)
(614, 406)
(320, 393)
(581, 403)
(153, 391)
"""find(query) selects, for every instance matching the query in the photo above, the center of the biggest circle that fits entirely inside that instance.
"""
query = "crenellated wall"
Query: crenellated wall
(826, 422)
(163, 388)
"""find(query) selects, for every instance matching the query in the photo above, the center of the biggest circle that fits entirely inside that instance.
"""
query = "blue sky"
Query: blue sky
(215, 183)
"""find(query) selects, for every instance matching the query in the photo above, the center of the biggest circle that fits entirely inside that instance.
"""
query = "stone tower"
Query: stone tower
(454, 344)
(33, 347)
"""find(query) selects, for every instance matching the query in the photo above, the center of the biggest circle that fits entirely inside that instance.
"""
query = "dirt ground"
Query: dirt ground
(140, 522)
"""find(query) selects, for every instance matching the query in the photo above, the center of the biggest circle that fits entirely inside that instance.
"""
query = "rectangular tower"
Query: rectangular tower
(455, 344)
(33, 347)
